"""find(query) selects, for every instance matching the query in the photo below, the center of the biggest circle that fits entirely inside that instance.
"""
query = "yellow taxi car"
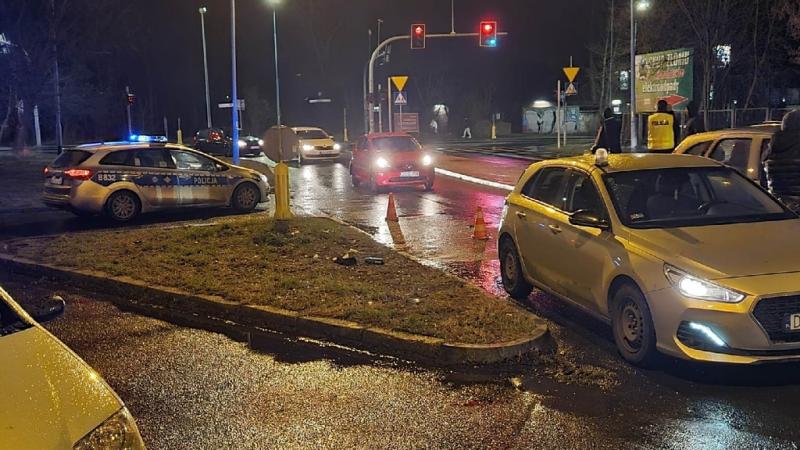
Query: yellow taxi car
(680, 254)
(124, 179)
(51, 398)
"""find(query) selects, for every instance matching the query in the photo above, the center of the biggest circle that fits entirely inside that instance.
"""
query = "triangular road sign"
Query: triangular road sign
(400, 99)
(399, 82)
(571, 90)
(571, 73)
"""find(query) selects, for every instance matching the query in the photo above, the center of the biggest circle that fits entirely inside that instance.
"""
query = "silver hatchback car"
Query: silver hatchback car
(125, 179)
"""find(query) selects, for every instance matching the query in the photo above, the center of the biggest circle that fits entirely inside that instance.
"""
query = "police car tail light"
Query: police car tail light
(78, 174)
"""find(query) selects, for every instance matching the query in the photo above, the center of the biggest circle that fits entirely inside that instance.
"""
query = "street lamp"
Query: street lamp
(282, 210)
(234, 93)
(641, 6)
(203, 11)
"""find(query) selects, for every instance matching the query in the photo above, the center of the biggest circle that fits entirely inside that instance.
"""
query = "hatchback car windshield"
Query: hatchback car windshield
(311, 134)
(395, 144)
(682, 197)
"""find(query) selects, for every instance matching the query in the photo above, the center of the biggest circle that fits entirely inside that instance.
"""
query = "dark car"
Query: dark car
(250, 145)
(215, 141)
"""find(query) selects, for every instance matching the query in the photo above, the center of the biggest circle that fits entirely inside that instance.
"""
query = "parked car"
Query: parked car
(51, 398)
(124, 179)
(391, 159)
(740, 148)
(213, 141)
(315, 144)
(669, 249)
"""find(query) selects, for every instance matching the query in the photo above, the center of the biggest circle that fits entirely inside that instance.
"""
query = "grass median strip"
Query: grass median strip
(246, 260)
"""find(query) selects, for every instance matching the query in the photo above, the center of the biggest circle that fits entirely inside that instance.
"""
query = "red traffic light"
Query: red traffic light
(418, 36)
(488, 34)
(131, 99)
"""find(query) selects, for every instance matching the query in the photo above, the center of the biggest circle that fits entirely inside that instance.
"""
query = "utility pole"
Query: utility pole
(127, 99)
(57, 80)
(234, 93)
(203, 11)
(632, 81)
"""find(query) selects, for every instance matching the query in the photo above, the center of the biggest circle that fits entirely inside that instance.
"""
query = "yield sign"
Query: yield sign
(571, 73)
(399, 82)
(571, 90)
(400, 98)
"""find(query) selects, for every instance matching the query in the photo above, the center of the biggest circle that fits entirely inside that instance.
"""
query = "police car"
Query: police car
(124, 179)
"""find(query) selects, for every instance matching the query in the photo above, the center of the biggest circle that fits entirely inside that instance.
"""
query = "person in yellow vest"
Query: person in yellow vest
(661, 130)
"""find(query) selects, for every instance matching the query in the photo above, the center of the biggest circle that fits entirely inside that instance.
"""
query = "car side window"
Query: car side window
(733, 152)
(698, 149)
(153, 158)
(582, 194)
(118, 158)
(547, 186)
(191, 161)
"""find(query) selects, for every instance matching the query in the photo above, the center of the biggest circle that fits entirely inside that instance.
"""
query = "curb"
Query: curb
(471, 179)
(253, 323)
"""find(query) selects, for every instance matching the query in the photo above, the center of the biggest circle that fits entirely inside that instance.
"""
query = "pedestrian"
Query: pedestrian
(539, 121)
(609, 133)
(782, 161)
(694, 123)
(661, 132)
(467, 134)
(434, 126)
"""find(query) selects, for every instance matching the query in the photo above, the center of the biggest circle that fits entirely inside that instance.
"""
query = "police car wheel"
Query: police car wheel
(123, 206)
(514, 281)
(245, 197)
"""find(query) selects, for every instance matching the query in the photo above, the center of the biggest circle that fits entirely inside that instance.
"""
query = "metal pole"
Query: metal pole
(452, 17)
(558, 113)
(277, 82)
(127, 93)
(57, 81)
(389, 101)
(36, 126)
(234, 93)
(634, 133)
(166, 128)
(205, 65)
(374, 56)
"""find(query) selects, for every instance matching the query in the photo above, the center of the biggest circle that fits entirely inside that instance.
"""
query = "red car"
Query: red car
(391, 159)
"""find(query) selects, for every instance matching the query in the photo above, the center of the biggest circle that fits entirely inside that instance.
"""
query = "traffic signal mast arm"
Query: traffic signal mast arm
(388, 41)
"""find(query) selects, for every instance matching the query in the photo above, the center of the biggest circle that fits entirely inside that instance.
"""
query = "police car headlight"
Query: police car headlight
(337, 147)
(308, 147)
(700, 289)
(261, 142)
(242, 143)
(117, 432)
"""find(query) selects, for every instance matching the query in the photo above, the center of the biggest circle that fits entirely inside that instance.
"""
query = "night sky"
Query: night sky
(525, 66)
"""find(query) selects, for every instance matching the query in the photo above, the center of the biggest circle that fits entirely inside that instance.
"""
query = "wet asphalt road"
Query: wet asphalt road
(193, 389)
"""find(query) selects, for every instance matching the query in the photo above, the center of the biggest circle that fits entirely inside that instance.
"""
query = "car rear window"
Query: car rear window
(70, 158)
(395, 144)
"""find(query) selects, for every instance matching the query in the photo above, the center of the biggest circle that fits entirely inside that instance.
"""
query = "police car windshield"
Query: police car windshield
(311, 134)
(684, 197)
(70, 158)
(395, 144)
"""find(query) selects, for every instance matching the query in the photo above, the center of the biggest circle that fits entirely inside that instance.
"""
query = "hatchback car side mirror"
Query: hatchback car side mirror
(47, 309)
(588, 218)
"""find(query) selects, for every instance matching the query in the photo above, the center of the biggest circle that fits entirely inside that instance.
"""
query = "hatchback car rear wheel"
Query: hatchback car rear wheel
(246, 197)
(511, 271)
(123, 206)
(632, 325)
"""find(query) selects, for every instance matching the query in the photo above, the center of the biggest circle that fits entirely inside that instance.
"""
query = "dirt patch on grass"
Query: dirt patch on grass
(245, 260)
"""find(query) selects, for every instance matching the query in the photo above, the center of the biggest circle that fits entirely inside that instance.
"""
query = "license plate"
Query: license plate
(328, 152)
(56, 180)
(409, 174)
(793, 322)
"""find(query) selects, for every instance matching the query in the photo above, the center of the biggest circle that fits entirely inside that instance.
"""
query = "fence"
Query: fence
(733, 118)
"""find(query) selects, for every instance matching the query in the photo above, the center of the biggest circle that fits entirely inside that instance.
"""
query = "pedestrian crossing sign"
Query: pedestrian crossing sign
(571, 89)
(400, 98)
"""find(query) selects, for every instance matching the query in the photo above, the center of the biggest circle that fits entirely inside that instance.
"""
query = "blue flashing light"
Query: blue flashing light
(145, 138)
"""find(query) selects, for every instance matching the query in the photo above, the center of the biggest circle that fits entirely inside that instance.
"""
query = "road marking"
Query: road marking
(471, 179)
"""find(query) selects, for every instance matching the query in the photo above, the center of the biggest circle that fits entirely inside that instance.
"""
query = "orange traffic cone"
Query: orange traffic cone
(480, 226)
(391, 212)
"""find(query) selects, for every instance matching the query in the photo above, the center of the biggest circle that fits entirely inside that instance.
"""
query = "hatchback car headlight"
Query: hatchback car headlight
(337, 147)
(117, 432)
(242, 143)
(382, 162)
(427, 160)
(700, 289)
(261, 142)
(308, 147)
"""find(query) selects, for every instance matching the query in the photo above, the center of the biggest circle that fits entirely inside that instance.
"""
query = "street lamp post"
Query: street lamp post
(640, 5)
(234, 93)
(282, 210)
(203, 11)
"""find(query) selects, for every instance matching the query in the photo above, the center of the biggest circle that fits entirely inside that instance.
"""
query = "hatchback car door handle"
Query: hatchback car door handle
(521, 215)
(555, 229)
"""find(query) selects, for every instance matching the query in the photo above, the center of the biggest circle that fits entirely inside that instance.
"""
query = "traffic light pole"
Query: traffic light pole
(388, 41)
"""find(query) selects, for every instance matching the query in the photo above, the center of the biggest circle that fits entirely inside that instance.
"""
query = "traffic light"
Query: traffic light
(488, 34)
(418, 36)
(131, 99)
